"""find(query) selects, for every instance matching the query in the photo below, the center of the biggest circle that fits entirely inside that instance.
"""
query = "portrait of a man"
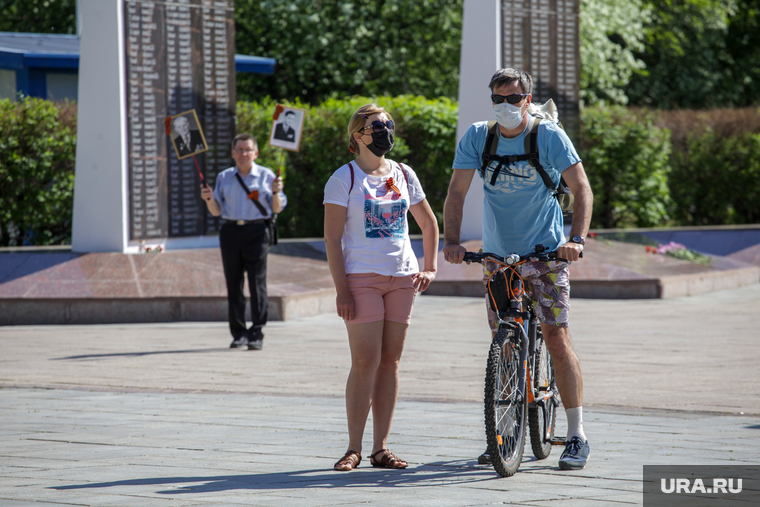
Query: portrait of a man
(187, 137)
(285, 130)
(287, 127)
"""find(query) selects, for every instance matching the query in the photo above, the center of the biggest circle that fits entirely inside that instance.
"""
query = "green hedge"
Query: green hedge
(716, 165)
(425, 140)
(646, 168)
(37, 149)
(626, 158)
(717, 180)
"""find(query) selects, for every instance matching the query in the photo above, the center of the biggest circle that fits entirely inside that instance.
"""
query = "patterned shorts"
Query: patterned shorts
(547, 284)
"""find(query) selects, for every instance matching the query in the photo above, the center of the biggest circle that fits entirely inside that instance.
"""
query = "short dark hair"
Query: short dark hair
(289, 112)
(245, 137)
(508, 76)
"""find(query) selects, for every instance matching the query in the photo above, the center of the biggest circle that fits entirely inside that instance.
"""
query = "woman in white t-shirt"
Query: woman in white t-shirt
(375, 273)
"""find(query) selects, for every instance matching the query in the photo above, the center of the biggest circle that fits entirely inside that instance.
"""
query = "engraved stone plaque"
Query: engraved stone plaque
(179, 57)
(542, 38)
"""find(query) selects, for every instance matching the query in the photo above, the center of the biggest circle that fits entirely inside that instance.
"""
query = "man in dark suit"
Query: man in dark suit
(189, 140)
(284, 130)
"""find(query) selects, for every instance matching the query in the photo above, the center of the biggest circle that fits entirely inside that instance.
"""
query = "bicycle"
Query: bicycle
(519, 373)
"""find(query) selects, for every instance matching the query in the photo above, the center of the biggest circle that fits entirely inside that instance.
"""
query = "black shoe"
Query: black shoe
(256, 344)
(484, 459)
(239, 343)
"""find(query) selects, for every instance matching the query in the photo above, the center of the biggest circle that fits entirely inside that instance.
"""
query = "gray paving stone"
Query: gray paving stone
(156, 416)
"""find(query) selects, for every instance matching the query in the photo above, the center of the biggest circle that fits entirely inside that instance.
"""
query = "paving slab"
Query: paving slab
(165, 414)
(681, 353)
(218, 463)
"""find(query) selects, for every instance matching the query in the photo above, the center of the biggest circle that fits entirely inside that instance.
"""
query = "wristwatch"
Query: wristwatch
(578, 239)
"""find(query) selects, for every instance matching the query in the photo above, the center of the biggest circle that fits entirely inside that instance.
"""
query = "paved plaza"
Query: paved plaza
(166, 414)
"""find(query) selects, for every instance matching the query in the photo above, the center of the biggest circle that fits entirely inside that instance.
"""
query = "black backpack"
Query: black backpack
(561, 192)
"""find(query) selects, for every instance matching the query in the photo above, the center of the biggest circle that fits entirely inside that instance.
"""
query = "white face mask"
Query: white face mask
(507, 115)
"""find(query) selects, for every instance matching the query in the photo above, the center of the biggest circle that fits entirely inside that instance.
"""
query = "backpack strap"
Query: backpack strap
(351, 168)
(489, 151)
(531, 148)
(406, 177)
(489, 155)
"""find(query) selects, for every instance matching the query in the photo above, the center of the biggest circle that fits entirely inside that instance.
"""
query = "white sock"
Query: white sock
(575, 423)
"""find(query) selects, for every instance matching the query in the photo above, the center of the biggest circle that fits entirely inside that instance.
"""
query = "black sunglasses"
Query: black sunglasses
(512, 99)
(379, 126)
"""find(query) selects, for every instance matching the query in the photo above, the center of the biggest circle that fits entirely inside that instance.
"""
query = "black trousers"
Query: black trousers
(244, 250)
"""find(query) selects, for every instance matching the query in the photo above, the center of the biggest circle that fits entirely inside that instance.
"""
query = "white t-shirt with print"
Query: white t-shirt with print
(376, 235)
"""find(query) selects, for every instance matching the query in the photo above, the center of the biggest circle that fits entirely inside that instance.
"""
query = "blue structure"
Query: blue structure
(47, 65)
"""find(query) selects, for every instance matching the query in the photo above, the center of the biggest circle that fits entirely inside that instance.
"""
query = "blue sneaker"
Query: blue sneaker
(575, 455)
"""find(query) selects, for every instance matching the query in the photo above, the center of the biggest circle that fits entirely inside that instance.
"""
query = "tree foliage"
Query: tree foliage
(38, 16)
(700, 54)
(36, 172)
(743, 44)
(659, 53)
(611, 33)
(347, 47)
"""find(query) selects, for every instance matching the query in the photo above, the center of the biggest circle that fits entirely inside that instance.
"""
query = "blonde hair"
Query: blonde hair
(357, 123)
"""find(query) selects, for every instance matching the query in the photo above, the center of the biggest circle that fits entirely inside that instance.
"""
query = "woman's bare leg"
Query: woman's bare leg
(365, 341)
(385, 391)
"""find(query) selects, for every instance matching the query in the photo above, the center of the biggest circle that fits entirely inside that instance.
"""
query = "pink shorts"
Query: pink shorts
(380, 297)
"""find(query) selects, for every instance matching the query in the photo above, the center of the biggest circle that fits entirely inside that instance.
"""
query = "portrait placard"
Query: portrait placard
(287, 128)
(187, 135)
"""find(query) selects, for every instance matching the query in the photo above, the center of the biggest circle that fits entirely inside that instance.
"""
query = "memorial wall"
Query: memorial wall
(179, 57)
(542, 37)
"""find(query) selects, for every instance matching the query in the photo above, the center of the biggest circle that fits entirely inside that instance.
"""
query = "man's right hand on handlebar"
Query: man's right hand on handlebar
(454, 253)
(570, 251)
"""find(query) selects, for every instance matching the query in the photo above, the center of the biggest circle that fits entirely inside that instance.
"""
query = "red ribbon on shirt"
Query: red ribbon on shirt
(391, 186)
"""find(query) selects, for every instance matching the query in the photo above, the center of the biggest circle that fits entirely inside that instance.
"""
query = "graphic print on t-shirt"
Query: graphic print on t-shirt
(512, 177)
(384, 216)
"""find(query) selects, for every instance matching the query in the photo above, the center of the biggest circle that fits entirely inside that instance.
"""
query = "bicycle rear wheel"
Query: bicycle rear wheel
(505, 404)
(542, 417)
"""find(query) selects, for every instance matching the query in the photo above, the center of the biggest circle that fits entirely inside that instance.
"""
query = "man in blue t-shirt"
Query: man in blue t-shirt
(520, 212)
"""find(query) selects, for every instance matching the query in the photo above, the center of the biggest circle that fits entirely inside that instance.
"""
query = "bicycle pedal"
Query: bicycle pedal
(558, 441)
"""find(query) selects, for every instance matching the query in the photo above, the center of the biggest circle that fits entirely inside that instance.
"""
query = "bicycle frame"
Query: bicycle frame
(521, 315)
(518, 364)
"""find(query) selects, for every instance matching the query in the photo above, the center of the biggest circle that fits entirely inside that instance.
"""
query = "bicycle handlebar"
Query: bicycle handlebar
(539, 254)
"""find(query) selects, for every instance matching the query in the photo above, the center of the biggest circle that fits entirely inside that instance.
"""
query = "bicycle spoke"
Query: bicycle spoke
(542, 416)
(504, 404)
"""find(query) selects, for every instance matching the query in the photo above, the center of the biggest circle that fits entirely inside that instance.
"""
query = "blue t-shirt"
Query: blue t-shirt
(519, 211)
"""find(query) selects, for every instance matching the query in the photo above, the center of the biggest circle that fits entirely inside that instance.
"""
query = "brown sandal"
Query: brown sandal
(388, 460)
(348, 462)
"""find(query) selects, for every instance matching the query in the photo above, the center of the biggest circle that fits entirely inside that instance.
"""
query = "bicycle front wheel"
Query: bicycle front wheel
(505, 403)
(543, 416)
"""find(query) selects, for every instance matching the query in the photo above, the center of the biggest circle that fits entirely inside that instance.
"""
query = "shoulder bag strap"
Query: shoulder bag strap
(249, 194)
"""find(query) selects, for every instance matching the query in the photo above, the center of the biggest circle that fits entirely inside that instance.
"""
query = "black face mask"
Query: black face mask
(382, 143)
